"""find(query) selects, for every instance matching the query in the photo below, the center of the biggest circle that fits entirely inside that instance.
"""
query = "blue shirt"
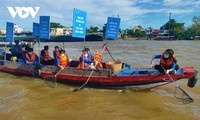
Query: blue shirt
(58, 61)
(88, 60)
(16, 49)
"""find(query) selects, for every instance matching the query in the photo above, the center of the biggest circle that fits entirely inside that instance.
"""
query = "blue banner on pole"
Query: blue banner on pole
(79, 23)
(112, 27)
(9, 32)
(36, 29)
(44, 27)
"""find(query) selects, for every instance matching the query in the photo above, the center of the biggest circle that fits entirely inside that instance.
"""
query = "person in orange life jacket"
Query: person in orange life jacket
(86, 57)
(98, 59)
(168, 62)
(45, 59)
(62, 60)
(31, 57)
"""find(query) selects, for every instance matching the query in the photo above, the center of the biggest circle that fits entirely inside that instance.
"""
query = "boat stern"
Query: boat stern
(188, 72)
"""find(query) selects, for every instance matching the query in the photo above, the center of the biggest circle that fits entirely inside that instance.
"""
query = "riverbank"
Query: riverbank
(147, 38)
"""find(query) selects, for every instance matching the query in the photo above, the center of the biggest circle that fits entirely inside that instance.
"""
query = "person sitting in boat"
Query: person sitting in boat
(25, 51)
(85, 59)
(16, 50)
(45, 59)
(168, 62)
(62, 60)
(91, 55)
(31, 57)
(98, 60)
(56, 53)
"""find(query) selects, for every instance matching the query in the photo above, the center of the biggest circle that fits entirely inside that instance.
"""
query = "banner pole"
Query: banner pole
(5, 51)
(83, 54)
(39, 49)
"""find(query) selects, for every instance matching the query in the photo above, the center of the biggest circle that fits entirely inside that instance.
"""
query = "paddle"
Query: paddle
(184, 97)
(82, 86)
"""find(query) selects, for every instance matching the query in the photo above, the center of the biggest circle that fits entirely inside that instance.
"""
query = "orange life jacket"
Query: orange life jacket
(32, 58)
(167, 64)
(98, 58)
(80, 65)
(46, 55)
(63, 60)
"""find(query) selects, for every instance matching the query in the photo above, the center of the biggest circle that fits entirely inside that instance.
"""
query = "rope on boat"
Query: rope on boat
(110, 54)
(90, 73)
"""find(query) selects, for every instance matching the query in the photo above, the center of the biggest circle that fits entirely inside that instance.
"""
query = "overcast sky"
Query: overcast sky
(147, 13)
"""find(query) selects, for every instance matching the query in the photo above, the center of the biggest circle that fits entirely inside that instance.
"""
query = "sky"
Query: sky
(146, 13)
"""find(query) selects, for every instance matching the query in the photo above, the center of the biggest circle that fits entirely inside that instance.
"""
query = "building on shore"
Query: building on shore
(18, 29)
(2, 31)
(61, 31)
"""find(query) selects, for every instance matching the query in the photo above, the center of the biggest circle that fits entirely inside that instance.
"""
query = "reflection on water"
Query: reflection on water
(26, 98)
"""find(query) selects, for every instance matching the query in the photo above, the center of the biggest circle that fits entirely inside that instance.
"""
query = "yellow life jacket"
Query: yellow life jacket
(63, 60)
(98, 58)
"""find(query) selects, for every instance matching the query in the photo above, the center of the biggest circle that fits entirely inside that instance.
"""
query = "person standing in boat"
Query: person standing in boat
(168, 62)
(85, 59)
(31, 57)
(45, 59)
(16, 50)
(62, 60)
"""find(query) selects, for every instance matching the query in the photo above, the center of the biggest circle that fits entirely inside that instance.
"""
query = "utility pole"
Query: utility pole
(150, 30)
(169, 26)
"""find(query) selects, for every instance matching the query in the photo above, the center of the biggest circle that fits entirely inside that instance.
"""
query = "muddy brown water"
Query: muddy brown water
(26, 98)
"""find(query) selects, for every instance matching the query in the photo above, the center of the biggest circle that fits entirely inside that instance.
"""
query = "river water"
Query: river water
(26, 98)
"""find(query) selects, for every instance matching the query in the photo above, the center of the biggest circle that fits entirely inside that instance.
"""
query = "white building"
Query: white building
(61, 31)
(2, 31)
(18, 29)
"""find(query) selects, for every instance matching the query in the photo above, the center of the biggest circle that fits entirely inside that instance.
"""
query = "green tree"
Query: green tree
(139, 33)
(196, 20)
(130, 32)
(56, 25)
(0, 32)
(104, 30)
(94, 29)
(88, 31)
(195, 28)
(139, 26)
(174, 27)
